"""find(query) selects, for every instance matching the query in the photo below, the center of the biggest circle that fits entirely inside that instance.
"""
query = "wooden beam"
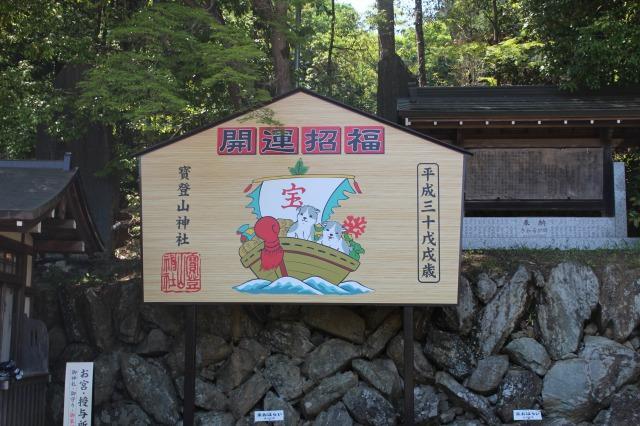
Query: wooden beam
(61, 234)
(58, 246)
(514, 123)
(459, 138)
(14, 245)
(14, 225)
(80, 212)
(56, 223)
(36, 228)
(533, 205)
(61, 209)
(532, 143)
(559, 143)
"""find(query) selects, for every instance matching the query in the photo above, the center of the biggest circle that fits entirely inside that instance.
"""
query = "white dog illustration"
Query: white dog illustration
(304, 227)
(332, 237)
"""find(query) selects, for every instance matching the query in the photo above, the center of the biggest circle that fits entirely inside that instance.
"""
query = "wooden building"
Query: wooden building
(537, 150)
(42, 209)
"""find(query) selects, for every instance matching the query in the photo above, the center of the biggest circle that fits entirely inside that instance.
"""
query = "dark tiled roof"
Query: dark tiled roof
(31, 190)
(27, 193)
(518, 102)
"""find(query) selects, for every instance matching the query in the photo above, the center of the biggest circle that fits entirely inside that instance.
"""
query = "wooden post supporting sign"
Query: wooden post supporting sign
(407, 335)
(189, 365)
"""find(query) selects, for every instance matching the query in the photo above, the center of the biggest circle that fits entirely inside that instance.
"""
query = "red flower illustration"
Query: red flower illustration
(354, 226)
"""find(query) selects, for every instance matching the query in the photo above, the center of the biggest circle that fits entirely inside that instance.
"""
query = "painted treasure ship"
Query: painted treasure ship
(294, 246)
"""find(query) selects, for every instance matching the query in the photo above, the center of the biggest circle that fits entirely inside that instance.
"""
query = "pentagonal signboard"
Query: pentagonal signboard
(303, 200)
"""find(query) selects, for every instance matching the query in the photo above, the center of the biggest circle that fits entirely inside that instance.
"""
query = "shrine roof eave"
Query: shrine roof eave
(31, 193)
(519, 102)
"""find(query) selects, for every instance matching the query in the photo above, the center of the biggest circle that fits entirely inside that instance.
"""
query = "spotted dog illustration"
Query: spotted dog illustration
(303, 228)
(332, 237)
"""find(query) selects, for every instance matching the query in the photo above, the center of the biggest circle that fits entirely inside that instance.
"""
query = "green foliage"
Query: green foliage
(356, 248)
(353, 76)
(36, 37)
(299, 169)
(588, 44)
(441, 54)
(514, 61)
(461, 50)
(317, 231)
(634, 212)
(164, 70)
(167, 69)
(26, 103)
(263, 115)
(631, 159)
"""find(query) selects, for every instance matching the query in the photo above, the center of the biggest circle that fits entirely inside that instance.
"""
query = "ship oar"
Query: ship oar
(272, 255)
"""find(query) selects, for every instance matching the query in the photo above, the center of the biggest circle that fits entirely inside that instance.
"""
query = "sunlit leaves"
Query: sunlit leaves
(354, 77)
(460, 49)
(593, 45)
(36, 39)
(168, 69)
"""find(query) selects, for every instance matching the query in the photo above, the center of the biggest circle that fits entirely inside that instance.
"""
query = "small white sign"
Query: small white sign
(269, 416)
(527, 415)
(78, 394)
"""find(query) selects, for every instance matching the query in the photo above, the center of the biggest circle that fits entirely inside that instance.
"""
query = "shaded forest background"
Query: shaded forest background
(111, 77)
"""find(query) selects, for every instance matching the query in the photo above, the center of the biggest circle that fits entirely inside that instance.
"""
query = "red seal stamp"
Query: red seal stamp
(180, 273)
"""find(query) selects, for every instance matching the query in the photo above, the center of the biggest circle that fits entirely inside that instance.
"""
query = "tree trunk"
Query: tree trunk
(92, 151)
(422, 73)
(332, 37)
(393, 83)
(386, 28)
(495, 22)
(280, 49)
(274, 17)
(393, 76)
(297, 51)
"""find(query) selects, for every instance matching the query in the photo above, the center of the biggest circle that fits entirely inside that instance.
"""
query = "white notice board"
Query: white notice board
(78, 392)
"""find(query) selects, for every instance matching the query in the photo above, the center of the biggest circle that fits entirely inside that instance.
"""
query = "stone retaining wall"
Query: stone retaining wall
(566, 341)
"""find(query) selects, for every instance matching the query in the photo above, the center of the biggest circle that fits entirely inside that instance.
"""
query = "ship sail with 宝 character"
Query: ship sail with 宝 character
(296, 245)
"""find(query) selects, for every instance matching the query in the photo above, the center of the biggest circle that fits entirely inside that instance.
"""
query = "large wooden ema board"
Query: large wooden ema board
(229, 216)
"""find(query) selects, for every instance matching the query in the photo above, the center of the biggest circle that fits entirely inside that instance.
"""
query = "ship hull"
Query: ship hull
(304, 259)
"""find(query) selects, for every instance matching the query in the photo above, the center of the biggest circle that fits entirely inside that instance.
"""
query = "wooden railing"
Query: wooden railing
(23, 402)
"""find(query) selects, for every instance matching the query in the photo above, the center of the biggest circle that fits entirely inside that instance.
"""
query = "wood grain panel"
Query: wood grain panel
(218, 207)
